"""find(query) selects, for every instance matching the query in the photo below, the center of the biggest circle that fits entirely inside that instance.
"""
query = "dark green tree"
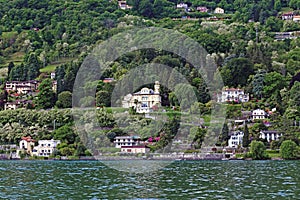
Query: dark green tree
(258, 83)
(46, 97)
(224, 135)
(237, 72)
(246, 140)
(102, 98)
(64, 100)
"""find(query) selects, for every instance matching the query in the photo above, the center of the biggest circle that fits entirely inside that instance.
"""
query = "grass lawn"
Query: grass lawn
(48, 69)
(286, 9)
(6, 35)
(16, 58)
(273, 153)
(51, 68)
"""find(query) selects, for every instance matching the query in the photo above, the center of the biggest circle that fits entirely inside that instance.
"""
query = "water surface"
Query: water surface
(180, 180)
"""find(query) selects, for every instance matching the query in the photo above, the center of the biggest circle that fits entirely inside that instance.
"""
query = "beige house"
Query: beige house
(135, 149)
(27, 144)
(143, 101)
(296, 18)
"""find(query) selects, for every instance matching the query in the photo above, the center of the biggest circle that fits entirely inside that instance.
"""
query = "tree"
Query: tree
(257, 150)
(294, 101)
(197, 136)
(295, 4)
(258, 83)
(225, 135)
(273, 82)
(32, 65)
(288, 150)
(246, 140)
(46, 96)
(65, 134)
(64, 100)
(237, 72)
(103, 98)
(277, 5)
(10, 67)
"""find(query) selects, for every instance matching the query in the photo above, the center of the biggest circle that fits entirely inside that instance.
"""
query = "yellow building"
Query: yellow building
(143, 101)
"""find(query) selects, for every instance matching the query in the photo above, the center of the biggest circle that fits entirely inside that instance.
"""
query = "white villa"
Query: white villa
(232, 94)
(121, 141)
(236, 139)
(45, 147)
(144, 100)
(270, 135)
(258, 114)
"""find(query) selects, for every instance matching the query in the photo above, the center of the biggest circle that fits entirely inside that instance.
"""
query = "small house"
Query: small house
(270, 135)
(258, 114)
(236, 139)
(135, 149)
(202, 9)
(182, 6)
(219, 10)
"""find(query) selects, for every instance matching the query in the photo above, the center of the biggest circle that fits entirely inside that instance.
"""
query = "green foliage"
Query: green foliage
(246, 140)
(197, 136)
(64, 100)
(65, 134)
(257, 150)
(103, 98)
(224, 137)
(46, 96)
(258, 83)
(236, 72)
(289, 150)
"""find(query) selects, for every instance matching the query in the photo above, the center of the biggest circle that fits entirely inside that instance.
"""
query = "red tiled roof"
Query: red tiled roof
(28, 139)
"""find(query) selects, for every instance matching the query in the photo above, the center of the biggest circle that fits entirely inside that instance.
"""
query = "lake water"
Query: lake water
(179, 180)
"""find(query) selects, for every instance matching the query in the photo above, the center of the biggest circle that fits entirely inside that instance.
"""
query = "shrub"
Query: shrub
(257, 150)
(288, 150)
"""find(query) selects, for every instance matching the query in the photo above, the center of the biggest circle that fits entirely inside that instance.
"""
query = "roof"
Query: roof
(28, 139)
(128, 136)
(232, 89)
(273, 131)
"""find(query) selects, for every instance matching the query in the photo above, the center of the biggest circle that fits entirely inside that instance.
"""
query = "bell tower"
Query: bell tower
(156, 87)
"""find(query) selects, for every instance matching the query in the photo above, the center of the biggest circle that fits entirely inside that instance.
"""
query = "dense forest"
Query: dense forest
(40, 37)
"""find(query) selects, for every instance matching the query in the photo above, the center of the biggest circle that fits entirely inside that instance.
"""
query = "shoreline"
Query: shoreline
(124, 158)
